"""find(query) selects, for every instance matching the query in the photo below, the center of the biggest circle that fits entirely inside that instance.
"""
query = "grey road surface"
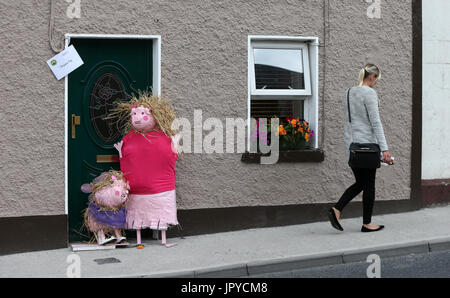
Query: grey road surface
(429, 265)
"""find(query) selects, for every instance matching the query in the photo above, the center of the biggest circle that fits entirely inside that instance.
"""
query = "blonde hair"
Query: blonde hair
(368, 70)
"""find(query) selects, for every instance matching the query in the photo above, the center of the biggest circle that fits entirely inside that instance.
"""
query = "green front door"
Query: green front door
(112, 69)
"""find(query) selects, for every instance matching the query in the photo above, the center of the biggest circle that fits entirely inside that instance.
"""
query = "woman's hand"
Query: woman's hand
(387, 158)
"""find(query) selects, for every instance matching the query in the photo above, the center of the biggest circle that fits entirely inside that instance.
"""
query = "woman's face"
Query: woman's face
(372, 80)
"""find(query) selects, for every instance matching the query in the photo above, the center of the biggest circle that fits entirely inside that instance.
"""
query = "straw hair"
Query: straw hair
(367, 71)
(160, 108)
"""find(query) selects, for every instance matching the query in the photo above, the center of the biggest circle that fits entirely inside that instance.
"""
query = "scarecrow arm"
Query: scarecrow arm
(175, 143)
(118, 146)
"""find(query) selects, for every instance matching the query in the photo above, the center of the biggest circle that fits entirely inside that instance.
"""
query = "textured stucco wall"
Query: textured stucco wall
(204, 66)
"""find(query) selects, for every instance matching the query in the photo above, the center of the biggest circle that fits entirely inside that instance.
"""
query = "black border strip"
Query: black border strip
(436, 191)
(416, 146)
(218, 220)
(31, 233)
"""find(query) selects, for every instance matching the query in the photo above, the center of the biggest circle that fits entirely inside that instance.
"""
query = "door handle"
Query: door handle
(75, 121)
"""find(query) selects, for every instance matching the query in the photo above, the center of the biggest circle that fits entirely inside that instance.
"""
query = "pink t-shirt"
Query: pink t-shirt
(149, 167)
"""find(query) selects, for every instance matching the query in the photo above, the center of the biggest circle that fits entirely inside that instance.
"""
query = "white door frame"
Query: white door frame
(156, 53)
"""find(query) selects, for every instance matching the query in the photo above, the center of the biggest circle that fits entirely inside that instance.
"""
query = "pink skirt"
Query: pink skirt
(157, 211)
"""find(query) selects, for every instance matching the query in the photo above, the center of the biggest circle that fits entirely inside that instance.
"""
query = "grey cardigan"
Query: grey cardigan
(366, 122)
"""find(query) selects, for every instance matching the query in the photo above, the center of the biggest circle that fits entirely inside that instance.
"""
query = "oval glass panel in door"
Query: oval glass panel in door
(107, 90)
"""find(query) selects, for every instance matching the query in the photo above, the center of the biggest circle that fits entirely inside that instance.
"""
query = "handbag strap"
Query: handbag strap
(349, 114)
(348, 105)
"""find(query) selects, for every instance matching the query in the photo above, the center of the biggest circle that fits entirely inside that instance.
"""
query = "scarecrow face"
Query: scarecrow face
(114, 195)
(142, 118)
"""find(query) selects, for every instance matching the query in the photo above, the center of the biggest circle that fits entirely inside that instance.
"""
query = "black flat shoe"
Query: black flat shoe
(366, 230)
(333, 220)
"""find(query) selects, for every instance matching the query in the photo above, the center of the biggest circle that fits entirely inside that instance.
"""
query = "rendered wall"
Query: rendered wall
(436, 90)
(204, 66)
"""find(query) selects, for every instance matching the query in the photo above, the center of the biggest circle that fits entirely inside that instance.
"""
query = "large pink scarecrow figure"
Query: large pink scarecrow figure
(148, 154)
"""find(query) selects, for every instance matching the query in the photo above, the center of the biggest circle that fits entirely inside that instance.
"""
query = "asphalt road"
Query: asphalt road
(430, 265)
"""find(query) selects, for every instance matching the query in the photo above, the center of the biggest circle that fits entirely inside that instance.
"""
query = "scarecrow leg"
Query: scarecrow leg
(163, 241)
(138, 236)
(117, 233)
(100, 237)
(118, 236)
(163, 236)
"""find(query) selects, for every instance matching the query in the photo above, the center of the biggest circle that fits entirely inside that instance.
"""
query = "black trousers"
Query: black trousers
(365, 182)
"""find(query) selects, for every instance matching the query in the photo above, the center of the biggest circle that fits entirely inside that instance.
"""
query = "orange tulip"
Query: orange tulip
(294, 123)
(307, 136)
(300, 129)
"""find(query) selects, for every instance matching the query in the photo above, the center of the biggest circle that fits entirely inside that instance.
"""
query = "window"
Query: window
(283, 79)
(280, 69)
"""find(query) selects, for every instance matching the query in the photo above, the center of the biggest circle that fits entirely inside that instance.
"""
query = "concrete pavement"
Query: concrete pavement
(249, 252)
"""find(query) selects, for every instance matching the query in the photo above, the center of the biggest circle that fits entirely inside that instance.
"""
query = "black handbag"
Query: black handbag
(362, 155)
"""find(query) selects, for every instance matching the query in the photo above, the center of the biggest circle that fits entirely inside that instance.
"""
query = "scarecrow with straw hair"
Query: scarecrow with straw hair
(148, 154)
(106, 212)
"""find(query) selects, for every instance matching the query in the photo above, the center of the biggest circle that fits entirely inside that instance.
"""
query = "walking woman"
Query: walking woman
(365, 127)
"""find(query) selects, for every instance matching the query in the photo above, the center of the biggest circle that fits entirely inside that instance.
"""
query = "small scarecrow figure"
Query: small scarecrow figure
(148, 154)
(106, 211)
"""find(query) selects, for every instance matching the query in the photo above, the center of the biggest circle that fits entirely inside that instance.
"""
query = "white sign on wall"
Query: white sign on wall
(65, 62)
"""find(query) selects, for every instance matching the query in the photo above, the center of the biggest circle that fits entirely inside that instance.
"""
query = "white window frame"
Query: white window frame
(280, 45)
(310, 96)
